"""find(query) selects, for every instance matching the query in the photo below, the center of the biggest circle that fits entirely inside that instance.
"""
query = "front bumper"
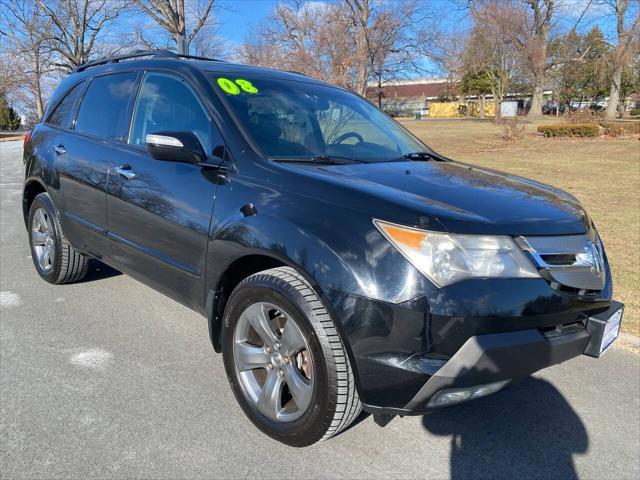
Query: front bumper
(504, 357)
(397, 349)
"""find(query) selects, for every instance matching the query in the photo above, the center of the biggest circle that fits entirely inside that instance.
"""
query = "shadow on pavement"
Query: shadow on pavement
(99, 271)
(526, 431)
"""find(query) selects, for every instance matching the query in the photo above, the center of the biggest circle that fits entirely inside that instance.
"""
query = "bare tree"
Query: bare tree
(347, 42)
(172, 17)
(489, 51)
(314, 39)
(533, 41)
(30, 56)
(207, 43)
(628, 33)
(448, 55)
(388, 37)
(402, 35)
(359, 13)
(11, 71)
(76, 27)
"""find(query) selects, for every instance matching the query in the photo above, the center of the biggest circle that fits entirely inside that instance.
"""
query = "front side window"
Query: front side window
(299, 120)
(165, 104)
(61, 115)
(105, 107)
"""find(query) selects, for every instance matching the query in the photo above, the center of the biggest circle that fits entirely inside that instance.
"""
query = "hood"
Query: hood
(464, 199)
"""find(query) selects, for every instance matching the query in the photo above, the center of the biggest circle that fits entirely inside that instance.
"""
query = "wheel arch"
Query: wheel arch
(32, 188)
(236, 271)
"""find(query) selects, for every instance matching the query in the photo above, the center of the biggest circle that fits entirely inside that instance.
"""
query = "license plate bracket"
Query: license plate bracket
(604, 329)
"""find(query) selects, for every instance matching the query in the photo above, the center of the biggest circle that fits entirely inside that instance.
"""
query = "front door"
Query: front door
(159, 211)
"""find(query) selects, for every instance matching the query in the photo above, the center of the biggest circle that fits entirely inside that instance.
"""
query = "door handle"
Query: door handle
(125, 171)
(59, 149)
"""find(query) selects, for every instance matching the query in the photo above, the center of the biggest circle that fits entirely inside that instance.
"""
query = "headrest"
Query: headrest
(266, 125)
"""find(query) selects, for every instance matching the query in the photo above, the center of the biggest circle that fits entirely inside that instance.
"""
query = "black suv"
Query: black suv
(341, 263)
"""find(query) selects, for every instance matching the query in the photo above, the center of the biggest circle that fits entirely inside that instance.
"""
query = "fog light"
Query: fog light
(451, 396)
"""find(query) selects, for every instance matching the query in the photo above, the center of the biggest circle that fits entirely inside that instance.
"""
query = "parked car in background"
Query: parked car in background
(599, 105)
(552, 106)
(576, 105)
(340, 262)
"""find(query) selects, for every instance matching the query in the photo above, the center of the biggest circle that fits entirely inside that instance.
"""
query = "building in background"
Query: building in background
(411, 97)
(407, 97)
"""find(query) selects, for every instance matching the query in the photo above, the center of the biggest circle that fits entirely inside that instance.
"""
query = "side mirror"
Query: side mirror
(175, 147)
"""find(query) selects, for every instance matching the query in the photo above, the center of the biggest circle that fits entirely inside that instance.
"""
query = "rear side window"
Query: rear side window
(61, 115)
(166, 103)
(105, 107)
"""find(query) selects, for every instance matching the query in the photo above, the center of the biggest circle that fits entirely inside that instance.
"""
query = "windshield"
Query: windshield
(290, 120)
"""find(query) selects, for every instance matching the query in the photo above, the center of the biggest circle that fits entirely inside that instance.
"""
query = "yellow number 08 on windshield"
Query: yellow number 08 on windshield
(233, 88)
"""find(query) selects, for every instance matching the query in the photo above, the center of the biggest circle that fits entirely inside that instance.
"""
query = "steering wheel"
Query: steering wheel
(344, 136)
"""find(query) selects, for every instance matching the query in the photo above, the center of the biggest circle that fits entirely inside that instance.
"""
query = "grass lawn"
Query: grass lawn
(603, 173)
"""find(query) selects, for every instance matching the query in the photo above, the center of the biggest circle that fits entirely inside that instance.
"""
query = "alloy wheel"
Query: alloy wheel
(273, 362)
(42, 239)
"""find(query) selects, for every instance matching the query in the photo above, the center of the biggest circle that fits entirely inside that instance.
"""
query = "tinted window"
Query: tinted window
(300, 120)
(104, 108)
(166, 103)
(62, 113)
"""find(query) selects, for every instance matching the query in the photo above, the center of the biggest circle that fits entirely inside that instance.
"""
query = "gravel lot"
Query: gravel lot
(107, 378)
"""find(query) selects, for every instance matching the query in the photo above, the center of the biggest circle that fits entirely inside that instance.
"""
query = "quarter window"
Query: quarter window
(61, 115)
(166, 103)
(104, 111)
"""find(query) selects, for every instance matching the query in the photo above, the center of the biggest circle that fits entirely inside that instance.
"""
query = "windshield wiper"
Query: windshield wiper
(334, 159)
(324, 159)
(420, 156)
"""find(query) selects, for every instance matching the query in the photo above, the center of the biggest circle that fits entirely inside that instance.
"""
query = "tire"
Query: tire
(45, 232)
(322, 363)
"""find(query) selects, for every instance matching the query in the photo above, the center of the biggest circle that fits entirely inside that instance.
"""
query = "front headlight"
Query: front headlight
(446, 258)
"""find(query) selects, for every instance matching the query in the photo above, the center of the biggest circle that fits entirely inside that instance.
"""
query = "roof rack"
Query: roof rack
(141, 53)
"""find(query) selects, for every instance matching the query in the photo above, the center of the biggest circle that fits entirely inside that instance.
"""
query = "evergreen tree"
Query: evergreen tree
(583, 71)
(477, 83)
(9, 119)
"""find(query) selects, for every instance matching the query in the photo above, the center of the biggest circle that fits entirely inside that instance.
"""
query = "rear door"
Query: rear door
(159, 211)
(51, 145)
(86, 153)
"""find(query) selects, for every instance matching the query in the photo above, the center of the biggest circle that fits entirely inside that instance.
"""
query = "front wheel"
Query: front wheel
(285, 360)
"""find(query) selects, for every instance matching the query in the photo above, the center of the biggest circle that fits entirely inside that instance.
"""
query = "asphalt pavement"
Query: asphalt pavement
(108, 378)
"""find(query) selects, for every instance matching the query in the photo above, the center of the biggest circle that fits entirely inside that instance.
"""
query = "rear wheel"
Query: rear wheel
(53, 256)
(285, 361)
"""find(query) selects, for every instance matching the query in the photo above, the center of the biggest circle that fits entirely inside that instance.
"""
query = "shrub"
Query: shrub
(635, 112)
(513, 128)
(570, 130)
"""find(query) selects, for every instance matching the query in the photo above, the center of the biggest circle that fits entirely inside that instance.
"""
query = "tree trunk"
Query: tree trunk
(362, 75)
(614, 93)
(181, 44)
(497, 98)
(37, 80)
(482, 106)
(536, 101)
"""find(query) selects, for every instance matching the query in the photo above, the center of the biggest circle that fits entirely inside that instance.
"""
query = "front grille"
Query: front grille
(562, 259)
(572, 264)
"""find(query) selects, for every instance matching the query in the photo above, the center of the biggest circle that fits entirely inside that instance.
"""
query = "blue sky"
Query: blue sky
(235, 17)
